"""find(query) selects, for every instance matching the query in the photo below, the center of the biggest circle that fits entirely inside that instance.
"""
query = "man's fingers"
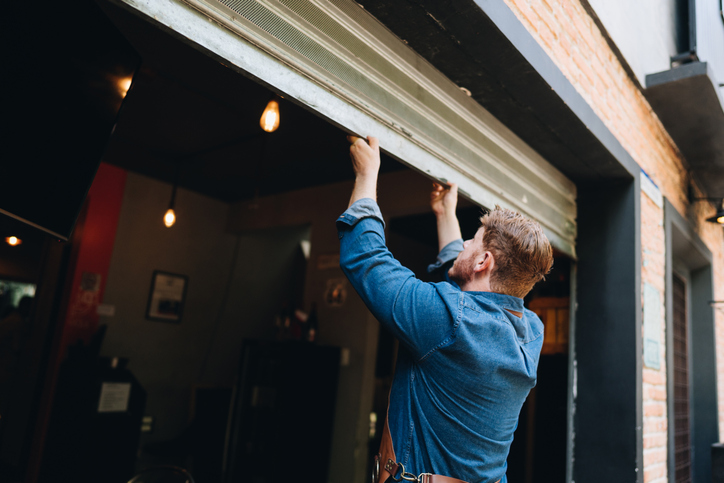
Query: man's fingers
(453, 188)
(353, 139)
(371, 140)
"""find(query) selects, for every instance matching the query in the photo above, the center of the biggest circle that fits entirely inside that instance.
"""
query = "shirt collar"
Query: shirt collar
(505, 301)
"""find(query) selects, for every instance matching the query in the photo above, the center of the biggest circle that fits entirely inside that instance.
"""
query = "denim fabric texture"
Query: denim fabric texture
(465, 365)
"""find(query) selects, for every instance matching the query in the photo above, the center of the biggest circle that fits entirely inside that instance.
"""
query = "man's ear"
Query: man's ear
(486, 262)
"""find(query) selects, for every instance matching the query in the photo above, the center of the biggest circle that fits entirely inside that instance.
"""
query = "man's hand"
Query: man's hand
(444, 201)
(366, 164)
(365, 157)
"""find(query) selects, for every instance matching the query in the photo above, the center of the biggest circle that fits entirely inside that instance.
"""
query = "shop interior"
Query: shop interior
(268, 362)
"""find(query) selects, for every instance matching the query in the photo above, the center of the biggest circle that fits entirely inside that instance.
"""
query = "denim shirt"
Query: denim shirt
(465, 365)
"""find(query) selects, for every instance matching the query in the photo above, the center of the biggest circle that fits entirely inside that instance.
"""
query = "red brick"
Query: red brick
(655, 441)
(654, 473)
(654, 409)
(523, 11)
(654, 425)
(548, 20)
(655, 393)
(549, 4)
(654, 456)
(653, 377)
(549, 39)
(582, 64)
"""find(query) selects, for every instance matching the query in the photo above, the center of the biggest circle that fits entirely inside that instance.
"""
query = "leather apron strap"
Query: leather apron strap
(387, 450)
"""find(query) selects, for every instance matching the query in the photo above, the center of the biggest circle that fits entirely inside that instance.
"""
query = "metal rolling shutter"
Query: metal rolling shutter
(339, 61)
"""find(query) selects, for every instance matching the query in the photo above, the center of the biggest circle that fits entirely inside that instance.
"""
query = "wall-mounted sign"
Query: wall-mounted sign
(167, 297)
(327, 261)
(336, 292)
(114, 397)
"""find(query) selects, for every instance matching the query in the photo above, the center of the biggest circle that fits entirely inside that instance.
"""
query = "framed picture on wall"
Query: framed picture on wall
(167, 297)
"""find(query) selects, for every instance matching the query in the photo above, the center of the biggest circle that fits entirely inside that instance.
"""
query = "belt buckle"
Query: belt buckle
(424, 477)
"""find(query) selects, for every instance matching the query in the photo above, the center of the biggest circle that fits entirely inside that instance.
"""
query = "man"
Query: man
(469, 349)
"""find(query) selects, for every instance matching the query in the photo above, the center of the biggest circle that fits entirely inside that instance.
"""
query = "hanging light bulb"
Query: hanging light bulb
(124, 84)
(169, 218)
(270, 118)
(13, 241)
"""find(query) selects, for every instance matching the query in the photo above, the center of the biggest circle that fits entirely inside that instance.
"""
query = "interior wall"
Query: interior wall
(264, 269)
(235, 284)
(166, 357)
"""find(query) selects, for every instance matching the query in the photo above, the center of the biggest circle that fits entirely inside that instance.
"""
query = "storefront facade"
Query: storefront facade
(588, 160)
(527, 105)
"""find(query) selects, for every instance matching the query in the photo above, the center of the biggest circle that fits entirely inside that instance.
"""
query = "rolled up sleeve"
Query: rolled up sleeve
(446, 256)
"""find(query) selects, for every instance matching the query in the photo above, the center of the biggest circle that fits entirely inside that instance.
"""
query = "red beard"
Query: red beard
(462, 271)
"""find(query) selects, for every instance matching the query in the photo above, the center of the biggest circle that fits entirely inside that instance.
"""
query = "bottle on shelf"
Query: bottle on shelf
(299, 324)
(312, 325)
(283, 322)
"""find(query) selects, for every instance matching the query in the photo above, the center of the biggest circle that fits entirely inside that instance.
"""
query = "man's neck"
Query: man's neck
(479, 285)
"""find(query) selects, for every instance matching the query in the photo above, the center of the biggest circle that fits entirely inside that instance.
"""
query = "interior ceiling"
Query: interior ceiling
(189, 112)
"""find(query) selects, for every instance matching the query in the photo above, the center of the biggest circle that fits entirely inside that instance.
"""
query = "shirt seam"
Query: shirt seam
(411, 431)
(451, 337)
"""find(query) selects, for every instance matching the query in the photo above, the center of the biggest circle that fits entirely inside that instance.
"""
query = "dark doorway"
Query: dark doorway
(538, 452)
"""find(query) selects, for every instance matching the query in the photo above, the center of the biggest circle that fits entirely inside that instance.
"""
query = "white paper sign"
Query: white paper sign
(106, 310)
(114, 397)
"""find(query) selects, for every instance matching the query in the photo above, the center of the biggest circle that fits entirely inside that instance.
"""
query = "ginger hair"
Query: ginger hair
(523, 255)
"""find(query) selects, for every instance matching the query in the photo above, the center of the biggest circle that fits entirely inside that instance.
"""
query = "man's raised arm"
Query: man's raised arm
(399, 301)
(450, 242)
(444, 201)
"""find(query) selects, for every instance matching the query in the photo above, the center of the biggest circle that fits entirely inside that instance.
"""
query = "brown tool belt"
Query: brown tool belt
(398, 474)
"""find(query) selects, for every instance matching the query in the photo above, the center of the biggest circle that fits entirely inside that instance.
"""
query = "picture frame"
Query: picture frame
(167, 297)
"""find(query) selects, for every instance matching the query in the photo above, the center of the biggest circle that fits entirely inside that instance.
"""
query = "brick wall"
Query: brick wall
(571, 38)
(653, 245)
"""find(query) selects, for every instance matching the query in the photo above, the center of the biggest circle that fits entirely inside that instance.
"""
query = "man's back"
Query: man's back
(455, 410)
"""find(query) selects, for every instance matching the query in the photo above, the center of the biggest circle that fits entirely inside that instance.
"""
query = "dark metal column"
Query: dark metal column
(704, 407)
(608, 439)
